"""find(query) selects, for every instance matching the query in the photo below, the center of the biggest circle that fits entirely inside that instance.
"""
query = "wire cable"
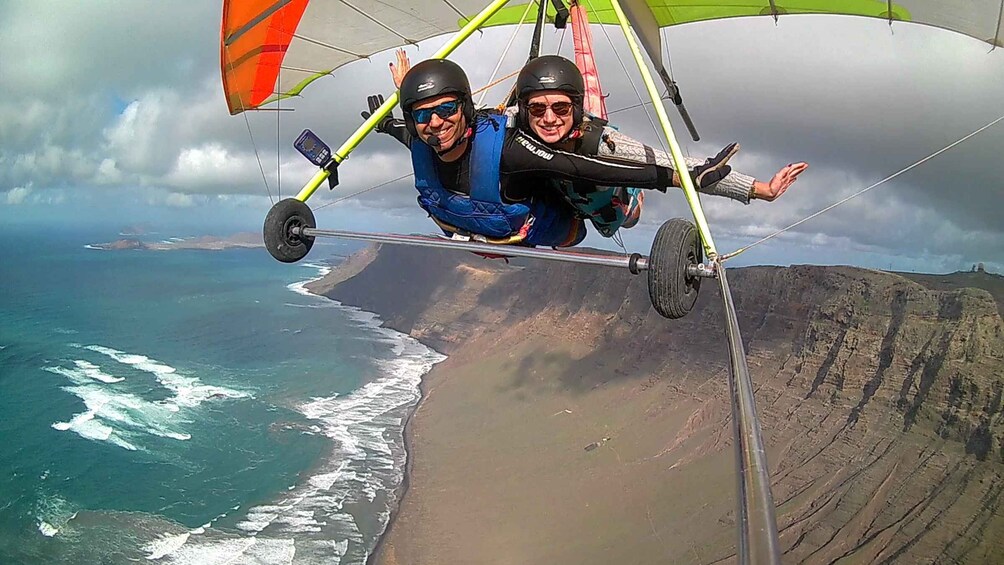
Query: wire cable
(860, 192)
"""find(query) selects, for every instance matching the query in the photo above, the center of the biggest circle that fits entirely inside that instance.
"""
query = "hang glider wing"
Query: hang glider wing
(271, 49)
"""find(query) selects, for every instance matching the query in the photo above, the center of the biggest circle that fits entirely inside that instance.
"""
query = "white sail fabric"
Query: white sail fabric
(276, 47)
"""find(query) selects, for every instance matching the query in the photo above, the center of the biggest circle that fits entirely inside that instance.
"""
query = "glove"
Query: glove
(374, 102)
(713, 170)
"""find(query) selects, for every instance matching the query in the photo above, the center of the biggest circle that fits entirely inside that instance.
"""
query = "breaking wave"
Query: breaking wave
(311, 520)
(122, 418)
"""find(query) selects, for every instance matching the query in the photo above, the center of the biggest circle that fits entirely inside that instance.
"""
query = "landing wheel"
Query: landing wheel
(280, 239)
(677, 246)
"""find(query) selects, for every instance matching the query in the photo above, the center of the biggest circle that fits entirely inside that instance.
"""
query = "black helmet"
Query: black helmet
(434, 77)
(550, 72)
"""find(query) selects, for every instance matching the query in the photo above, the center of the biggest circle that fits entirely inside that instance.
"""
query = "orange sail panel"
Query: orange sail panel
(583, 38)
(254, 38)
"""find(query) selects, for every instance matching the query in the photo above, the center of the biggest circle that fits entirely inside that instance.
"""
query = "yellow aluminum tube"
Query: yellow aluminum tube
(356, 138)
(674, 147)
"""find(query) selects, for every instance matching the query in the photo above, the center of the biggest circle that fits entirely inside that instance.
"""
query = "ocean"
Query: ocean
(191, 406)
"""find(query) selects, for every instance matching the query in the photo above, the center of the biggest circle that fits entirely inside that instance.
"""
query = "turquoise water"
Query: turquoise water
(191, 406)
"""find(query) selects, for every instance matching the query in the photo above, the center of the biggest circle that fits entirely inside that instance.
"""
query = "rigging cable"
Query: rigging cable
(354, 194)
(505, 52)
(561, 41)
(862, 191)
(254, 145)
(257, 157)
(613, 48)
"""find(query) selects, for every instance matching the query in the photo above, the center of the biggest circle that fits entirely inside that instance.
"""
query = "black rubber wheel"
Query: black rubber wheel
(676, 246)
(280, 240)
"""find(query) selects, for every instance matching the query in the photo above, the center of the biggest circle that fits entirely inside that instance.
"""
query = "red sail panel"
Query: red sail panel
(254, 37)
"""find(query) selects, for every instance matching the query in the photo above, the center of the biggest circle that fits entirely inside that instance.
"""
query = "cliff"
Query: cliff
(572, 424)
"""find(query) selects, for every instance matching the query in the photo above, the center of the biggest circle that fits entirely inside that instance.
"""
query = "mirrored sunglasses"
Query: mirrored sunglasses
(538, 109)
(444, 110)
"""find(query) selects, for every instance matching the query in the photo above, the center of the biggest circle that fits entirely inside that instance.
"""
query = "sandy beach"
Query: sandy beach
(507, 464)
(524, 448)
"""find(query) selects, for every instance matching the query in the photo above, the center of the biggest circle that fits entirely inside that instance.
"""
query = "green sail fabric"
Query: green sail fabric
(980, 19)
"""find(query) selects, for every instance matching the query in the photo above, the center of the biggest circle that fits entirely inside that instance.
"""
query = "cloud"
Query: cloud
(27, 195)
(134, 139)
(112, 96)
(17, 195)
(195, 167)
(177, 200)
(108, 173)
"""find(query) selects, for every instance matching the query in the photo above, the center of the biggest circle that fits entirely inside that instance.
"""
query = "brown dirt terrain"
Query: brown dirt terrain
(572, 424)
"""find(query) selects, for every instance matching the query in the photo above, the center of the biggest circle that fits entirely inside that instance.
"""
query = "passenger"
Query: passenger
(550, 94)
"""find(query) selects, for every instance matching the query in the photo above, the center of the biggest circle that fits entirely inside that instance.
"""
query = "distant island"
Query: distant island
(137, 229)
(206, 242)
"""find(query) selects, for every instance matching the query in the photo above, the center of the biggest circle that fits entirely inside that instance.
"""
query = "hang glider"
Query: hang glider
(274, 49)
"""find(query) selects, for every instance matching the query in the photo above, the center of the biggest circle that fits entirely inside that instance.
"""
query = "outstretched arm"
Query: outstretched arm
(735, 185)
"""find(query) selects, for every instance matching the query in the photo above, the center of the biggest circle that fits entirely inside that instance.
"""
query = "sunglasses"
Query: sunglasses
(444, 110)
(538, 109)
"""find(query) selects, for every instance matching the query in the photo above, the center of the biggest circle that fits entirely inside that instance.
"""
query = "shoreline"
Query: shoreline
(375, 555)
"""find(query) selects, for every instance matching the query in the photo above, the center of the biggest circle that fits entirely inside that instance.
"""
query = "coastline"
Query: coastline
(377, 556)
(319, 287)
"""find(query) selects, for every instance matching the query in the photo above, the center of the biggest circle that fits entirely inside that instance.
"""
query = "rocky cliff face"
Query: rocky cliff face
(880, 397)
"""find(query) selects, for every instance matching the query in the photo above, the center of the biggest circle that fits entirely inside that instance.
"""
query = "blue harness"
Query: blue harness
(483, 212)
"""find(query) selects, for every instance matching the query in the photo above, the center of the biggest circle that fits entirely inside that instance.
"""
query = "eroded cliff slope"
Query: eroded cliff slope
(572, 424)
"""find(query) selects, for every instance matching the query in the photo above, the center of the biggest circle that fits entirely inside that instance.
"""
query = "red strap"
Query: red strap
(583, 37)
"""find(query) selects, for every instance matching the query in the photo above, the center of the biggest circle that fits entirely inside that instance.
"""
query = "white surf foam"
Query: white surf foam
(51, 514)
(47, 529)
(368, 456)
(140, 362)
(165, 545)
(122, 418)
(189, 392)
(86, 426)
(94, 371)
(246, 551)
(301, 287)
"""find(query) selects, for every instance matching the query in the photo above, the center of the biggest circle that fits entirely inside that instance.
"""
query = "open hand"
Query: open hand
(398, 71)
(374, 102)
(771, 191)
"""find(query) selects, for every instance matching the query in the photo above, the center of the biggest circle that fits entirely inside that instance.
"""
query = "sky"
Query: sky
(113, 114)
